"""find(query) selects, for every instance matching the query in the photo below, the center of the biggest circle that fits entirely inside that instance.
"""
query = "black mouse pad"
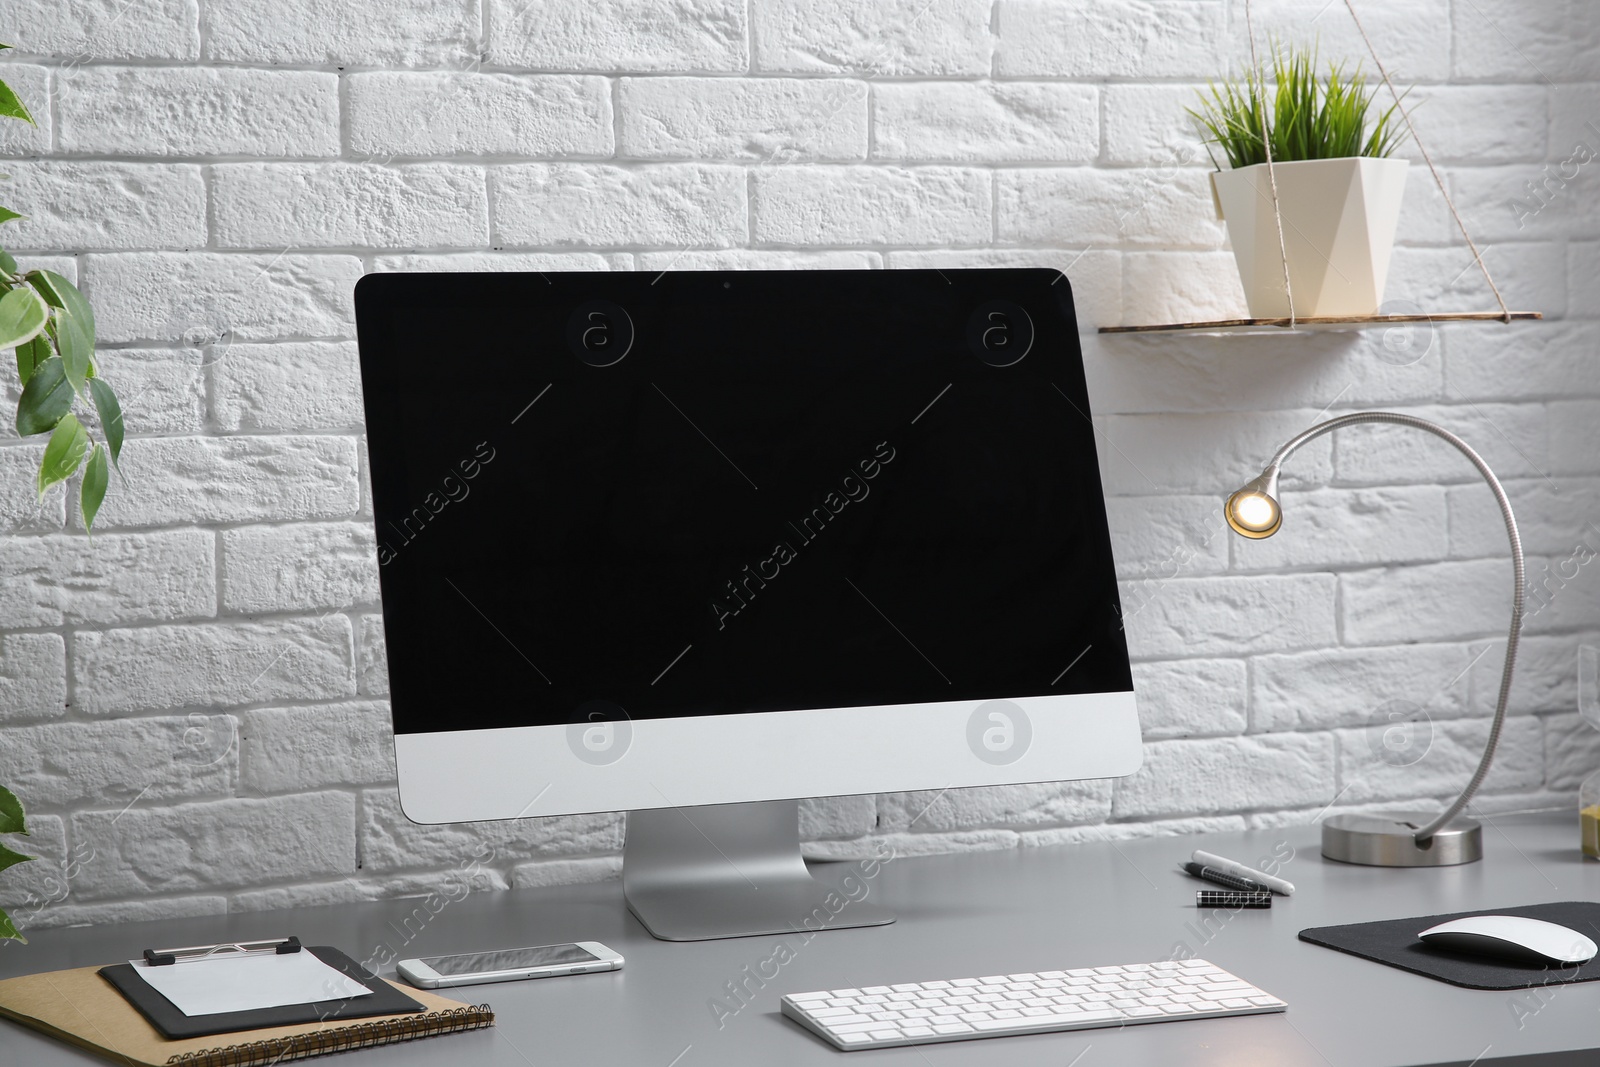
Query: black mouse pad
(1394, 942)
(165, 1016)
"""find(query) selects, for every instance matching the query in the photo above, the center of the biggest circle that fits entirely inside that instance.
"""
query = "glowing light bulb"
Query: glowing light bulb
(1254, 514)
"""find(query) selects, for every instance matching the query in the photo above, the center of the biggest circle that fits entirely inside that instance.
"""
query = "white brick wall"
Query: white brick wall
(196, 701)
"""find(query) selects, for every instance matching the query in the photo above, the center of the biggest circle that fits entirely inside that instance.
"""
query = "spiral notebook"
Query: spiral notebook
(81, 1007)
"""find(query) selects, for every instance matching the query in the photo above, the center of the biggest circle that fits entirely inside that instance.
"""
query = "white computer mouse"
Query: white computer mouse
(1512, 938)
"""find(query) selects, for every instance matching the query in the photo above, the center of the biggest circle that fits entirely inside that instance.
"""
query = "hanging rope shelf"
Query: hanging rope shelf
(1293, 322)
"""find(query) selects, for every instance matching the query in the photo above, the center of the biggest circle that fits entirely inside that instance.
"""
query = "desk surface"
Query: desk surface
(965, 915)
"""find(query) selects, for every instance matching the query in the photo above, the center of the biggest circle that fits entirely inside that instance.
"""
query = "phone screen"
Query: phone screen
(509, 959)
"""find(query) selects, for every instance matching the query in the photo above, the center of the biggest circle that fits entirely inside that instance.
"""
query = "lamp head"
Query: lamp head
(1253, 511)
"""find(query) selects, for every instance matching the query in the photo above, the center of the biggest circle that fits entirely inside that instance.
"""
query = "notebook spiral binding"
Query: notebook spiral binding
(343, 1039)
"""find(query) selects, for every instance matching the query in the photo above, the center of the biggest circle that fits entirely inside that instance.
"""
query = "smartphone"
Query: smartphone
(509, 964)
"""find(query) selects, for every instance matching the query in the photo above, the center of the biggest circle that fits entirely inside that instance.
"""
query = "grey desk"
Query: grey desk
(967, 915)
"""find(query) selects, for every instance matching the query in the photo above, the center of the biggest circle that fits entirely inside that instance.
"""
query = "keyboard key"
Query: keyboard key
(916, 1031)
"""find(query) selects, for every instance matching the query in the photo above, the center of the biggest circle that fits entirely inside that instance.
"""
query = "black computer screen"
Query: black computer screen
(701, 493)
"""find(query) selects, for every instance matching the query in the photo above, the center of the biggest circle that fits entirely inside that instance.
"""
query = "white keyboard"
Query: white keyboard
(919, 1013)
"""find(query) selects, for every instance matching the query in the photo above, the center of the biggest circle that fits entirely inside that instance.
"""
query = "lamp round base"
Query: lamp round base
(1389, 840)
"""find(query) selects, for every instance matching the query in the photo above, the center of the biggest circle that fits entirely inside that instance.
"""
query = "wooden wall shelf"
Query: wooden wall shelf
(1357, 322)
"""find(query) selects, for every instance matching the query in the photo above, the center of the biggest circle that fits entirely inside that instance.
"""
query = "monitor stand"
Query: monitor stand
(732, 870)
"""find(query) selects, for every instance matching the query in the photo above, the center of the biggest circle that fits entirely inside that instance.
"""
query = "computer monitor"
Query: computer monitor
(694, 545)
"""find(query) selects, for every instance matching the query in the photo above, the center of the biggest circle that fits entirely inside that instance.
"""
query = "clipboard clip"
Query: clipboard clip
(163, 957)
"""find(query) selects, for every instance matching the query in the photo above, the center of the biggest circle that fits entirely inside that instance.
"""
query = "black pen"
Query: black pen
(1232, 881)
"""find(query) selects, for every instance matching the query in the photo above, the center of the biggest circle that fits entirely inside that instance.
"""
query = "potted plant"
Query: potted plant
(1337, 188)
(51, 326)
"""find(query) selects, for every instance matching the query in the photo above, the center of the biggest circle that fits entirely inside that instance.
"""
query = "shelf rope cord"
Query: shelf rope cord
(1399, 103)
(1272, 177)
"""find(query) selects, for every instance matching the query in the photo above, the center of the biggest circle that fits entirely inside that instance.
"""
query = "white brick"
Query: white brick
(504, 261)
(306, 386)
(1583, 278)
(1208, 454)
(145, 111)
(29, 889)
(768, 120)
(1230, 616)
(1228, 775)
(32, 86)
(298, 567)
(1095, 275)
(86, 206)
(1554, 516)
(1130, 831)
(452, 885)
(874, 38)
(162, 390)
(1158, 538)
(326, 205)
(619, 35)
(21, 510)
(33, 677)
(1450, 122)
(300, 749)
(206, 296)
(1170, 206)
(1191, 698)
(1531, 277)
(1452, 753)
(1110, 38)
(345, 32)
(1526, 40)
(1150, 125)
(1573, 111)
(904, 846)
(758, 259)
(232, 479)
(70, 579)
(106, 29)
(1572, 750)
(1003, 122)
(1043, 804)
(837, 816)
(1351, 687)
(566, 872)
(1527, 202)
(1330, 527)
(113, 763)
(1574, 436)
(568, 205)
(1442, 601)
(1257, 372)
(1552, 360)
(167, 851)
(390, 841)
(220, 664)
(1160, 287)
(1410, 36)
(865, 206)
(372, 655)
(441, 113)
(1511, 438)
(1563, 592)
(125, 911)
(1545, 679)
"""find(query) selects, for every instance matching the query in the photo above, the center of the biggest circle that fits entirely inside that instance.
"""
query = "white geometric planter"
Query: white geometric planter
(1339, 218)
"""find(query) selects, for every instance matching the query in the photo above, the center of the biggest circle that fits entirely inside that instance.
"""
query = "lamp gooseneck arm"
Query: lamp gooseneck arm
(1519, 589)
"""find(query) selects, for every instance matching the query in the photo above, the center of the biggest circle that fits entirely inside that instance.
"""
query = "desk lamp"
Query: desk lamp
(1408, 838)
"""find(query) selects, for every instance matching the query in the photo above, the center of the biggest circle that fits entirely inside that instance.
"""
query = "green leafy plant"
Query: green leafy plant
(1305, 117)
(11, 822)
(51, 326)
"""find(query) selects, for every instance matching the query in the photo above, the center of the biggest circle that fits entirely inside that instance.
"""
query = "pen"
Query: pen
(1239, 870)
(1232, 881)
(1208, 898)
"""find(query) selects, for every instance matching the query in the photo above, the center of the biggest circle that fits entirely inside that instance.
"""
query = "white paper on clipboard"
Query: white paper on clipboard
(248, 982)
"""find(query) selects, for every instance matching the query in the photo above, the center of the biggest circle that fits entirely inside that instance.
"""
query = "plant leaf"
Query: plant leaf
(7, 264)
(46, 397)
(12, 819)
(64, 453)
(6, 215)
(40, 280)
(22, 316)
(75, 350)
(105, 402)
(95, 477)
(7, 930)
(9, 858)
(30, 354)
(72, 301)
(11, 106)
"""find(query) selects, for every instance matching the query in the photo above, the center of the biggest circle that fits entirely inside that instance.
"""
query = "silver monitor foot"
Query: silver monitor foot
(1389, 840)
(734, 870)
